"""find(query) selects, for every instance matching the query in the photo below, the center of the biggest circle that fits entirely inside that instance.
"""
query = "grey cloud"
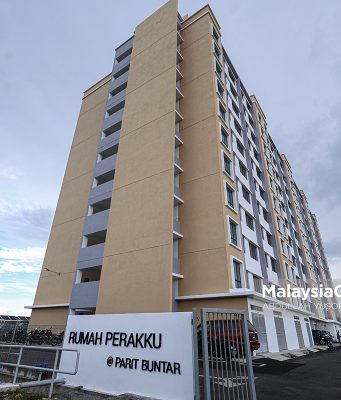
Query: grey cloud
(317, 159)
(25, 225)
(40, 217)
(333, 247)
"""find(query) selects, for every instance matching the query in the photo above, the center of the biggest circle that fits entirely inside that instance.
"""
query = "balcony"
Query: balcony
(179, 75)
(176, 229)
(179, 38)
(124, 63)
(121, 80)
(116, 98)
(91, 253)
(84, 295)
(96, 222)
(177, 196)
(177, 166)
(178, 139)
(178, 116)
(179, 95)
(105, 166)
(179, 57)
(101, 191)
(125, 48)
(113, 120)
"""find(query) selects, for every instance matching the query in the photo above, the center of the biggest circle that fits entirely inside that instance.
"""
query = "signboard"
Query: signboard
(145, 354)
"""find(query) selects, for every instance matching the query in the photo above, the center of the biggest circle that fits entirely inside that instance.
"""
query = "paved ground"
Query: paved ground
(313, 377)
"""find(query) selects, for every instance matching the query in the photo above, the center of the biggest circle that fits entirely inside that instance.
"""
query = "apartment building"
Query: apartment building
(175, 195)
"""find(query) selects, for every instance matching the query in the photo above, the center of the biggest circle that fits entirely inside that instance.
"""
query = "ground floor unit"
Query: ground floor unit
(279, 327)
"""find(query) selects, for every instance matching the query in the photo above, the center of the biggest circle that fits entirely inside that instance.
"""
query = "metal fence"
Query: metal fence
(22, 333)
(39, 359)
(225, 356)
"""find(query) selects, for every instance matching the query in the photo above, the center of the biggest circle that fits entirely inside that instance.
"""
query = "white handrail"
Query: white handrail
(54, 370)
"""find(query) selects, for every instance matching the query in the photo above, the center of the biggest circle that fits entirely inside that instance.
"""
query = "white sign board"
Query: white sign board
(145, 354)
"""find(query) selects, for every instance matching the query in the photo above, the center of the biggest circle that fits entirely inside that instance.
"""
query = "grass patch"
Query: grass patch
(20, 395)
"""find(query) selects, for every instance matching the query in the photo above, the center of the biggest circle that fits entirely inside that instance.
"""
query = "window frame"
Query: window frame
(238, 232)
(231, 175)
(234, 194)
(252, 245)
(248, 218)
(223, 131)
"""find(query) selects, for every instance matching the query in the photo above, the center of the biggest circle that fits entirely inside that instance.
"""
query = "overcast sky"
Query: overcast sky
(288, 53)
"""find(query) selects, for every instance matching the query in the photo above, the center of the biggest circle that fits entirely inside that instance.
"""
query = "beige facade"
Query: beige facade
(138, 255)
(204, 250)
(54, 288)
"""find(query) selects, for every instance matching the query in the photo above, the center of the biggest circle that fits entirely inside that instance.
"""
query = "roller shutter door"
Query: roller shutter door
(299, 333)
(281, 338)
(259, 323)
(309, 334)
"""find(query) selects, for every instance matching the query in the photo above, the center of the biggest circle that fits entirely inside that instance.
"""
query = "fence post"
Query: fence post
(53, 373)
(17, 367)
(195, 354)
(205, 355)
(251, 379)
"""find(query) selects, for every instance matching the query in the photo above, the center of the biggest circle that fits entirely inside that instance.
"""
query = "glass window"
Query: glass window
(240, 147)
(227, 165)
(229, 196)
(224, 137)
(233, 233)
(242, 169)
(246, 194)
(253, 251)
(237, 274)
(249, 221)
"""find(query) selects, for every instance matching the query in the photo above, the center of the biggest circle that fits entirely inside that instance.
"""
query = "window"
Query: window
(266, 260)
(233, 91)
(222, 112)
(229, 196)
(246, 194)
(273, 264)
(224, 137)
(218, 70)
(232, 77)
(215, 35)
(268, 238)
(249, 221)
(235, 108)
(233, 233)
(257, 284)
(227, 165)
(253, 251)
(237, 274)
(265, 215)
(217, 51)
(259, 173)
(262, 193)
(237, 126)
(242, 169)
(220, 90)
(240, 147)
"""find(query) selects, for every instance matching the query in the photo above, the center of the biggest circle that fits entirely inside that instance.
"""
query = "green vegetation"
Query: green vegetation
(20, 395)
